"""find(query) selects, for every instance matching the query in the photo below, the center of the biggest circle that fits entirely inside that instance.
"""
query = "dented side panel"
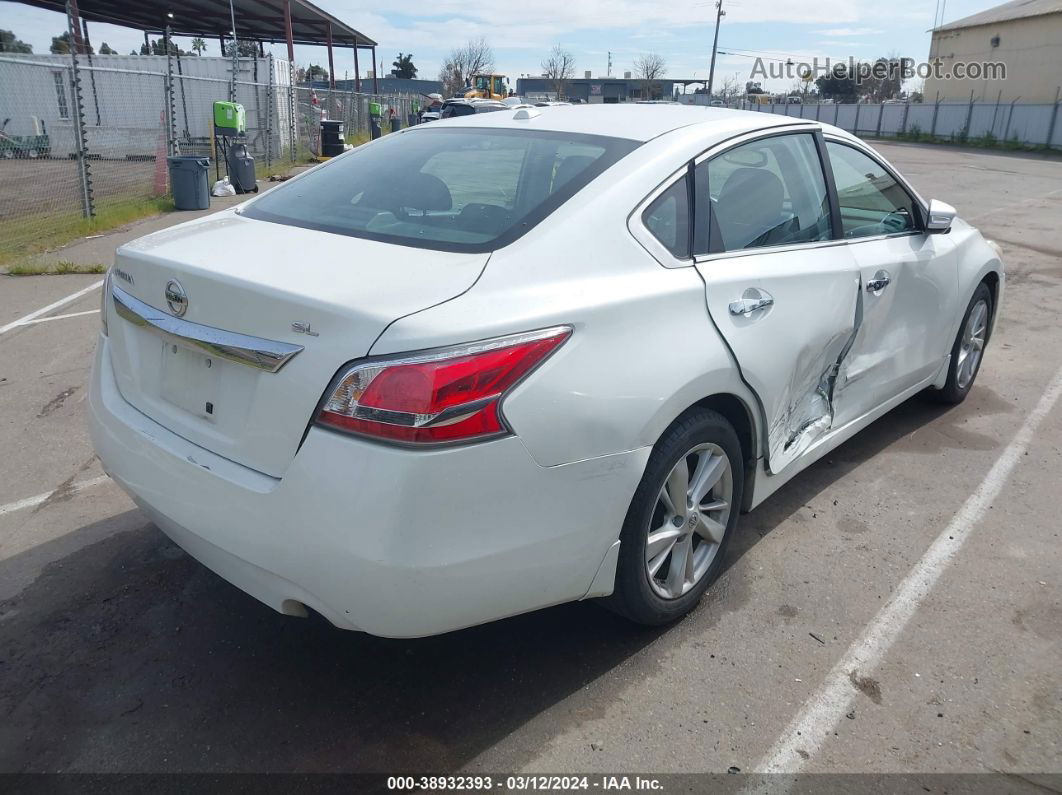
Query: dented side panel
(791, 352)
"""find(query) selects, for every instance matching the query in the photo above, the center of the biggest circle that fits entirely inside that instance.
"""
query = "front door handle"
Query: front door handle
(746, 306)
(880, 281)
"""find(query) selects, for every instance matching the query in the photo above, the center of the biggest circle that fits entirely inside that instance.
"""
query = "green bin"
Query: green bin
(229, 118)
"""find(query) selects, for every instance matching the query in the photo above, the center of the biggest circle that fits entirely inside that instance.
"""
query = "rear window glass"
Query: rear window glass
(459, 189)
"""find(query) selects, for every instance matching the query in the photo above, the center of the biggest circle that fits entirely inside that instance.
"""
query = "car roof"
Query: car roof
(631, 121)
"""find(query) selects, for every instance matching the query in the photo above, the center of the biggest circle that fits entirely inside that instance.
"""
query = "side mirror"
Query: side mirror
(940, 217)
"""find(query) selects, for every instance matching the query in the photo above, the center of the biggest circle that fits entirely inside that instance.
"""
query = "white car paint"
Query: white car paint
(409, 542)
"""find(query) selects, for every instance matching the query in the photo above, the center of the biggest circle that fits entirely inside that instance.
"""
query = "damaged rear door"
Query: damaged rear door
(780, 289)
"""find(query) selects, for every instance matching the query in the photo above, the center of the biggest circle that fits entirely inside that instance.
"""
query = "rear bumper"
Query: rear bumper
(390, 541)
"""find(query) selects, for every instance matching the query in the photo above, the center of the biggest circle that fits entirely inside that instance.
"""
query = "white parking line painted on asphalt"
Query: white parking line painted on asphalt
(51, 307)
(33, 502)
(59, 317)
(820, 713)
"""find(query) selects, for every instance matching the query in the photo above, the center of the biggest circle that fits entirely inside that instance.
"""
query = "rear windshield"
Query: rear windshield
(462, 189)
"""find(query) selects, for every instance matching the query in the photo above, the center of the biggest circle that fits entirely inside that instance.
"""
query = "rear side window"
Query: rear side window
(768, 192)
(668, 218)
(462, 189)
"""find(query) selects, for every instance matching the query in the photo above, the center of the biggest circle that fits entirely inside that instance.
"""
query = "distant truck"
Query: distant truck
(487, 87)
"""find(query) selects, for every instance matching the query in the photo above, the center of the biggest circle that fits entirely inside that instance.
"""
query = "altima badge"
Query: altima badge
(176, 297)
(304, 328)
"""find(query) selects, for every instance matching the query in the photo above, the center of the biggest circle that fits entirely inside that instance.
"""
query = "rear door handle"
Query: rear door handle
(880, 281)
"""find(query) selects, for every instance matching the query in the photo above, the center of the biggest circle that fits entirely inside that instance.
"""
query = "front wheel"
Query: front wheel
(968, 349)
(680, 521)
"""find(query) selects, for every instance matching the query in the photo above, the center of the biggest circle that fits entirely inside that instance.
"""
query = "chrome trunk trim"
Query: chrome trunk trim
(262, 354)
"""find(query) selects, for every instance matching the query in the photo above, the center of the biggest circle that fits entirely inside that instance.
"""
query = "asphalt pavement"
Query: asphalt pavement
(119, 653)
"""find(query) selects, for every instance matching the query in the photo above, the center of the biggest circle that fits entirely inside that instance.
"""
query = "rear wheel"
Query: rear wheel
(968, 349)
(680, 520)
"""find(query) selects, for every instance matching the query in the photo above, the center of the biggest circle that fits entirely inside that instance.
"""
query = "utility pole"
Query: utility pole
(720, 13)
(608, 72)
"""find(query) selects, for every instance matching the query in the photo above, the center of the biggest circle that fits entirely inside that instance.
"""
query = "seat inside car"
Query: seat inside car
(750, 209)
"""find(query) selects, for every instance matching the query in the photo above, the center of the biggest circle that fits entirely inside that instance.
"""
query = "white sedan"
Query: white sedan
(522, 358)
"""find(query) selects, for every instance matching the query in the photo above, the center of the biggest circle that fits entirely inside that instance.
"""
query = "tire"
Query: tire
(961, 373)
(639, 593)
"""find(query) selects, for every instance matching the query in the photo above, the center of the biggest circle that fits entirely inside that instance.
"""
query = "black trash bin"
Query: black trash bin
(241, 169)
(396, 124)
(189, 181)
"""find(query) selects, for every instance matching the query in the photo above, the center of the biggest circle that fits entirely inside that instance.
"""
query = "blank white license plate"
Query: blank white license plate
(191, 381)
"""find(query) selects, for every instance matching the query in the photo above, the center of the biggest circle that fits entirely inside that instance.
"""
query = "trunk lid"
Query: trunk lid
(259, 278)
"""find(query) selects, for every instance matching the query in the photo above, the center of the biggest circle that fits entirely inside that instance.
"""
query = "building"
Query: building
(596, 89)
(125, 101)
(1024, 35)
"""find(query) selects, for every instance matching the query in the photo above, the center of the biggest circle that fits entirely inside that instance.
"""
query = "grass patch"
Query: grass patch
(59, 268)
(22, 239)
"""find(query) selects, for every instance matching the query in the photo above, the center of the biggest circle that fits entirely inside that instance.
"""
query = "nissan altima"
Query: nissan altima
(516, 359)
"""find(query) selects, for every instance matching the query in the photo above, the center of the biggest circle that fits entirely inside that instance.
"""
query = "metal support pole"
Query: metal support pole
(292, 104)
(375, 72)
(288, 35)
(906, 111)
(881, 112)
(969, 117)
(1054, 118)
(269, 113)
(331, 65)
(171, 101)
(715, 44)
(87, 207)
(357, 70)
(235, 67)
(1010, 116)
(936, 112)
(92, 73)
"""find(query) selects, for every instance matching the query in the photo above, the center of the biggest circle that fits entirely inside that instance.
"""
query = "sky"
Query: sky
(522, 34)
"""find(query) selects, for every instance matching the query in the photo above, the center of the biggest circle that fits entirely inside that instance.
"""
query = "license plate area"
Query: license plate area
(191, 381)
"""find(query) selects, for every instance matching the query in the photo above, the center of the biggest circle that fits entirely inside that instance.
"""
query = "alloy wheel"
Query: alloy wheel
(972, 344)
(689, 520)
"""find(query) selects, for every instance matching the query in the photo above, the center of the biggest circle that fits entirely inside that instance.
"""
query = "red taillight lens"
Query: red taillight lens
(447, 395)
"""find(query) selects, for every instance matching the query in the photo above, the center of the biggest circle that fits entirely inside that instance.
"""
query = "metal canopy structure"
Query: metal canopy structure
(273, 21)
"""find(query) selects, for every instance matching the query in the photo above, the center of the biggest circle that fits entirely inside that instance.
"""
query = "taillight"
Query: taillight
(445, 395)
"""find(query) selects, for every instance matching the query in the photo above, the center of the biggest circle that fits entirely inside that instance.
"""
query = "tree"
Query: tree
(9, 43)
(198, 46)
(246, 48)
(559, 68)
(61, 45)
(315, 72)
(476, 57)
(404, 67)
(649, 68)
(106, 49)
(837, 84)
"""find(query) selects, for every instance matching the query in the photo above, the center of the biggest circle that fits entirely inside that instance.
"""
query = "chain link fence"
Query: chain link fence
(1004, 124)
(352, 108)
(85, 138)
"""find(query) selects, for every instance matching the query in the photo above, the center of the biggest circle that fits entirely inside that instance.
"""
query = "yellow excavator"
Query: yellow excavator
(487, 87)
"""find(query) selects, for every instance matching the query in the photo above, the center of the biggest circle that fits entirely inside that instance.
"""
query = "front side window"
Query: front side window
(768, 192)
(461, 189)
(499, 85)
(871, 201)
(667, 218)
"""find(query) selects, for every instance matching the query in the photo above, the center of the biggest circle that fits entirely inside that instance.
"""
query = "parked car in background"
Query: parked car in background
(473, 369)
(468, 107)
